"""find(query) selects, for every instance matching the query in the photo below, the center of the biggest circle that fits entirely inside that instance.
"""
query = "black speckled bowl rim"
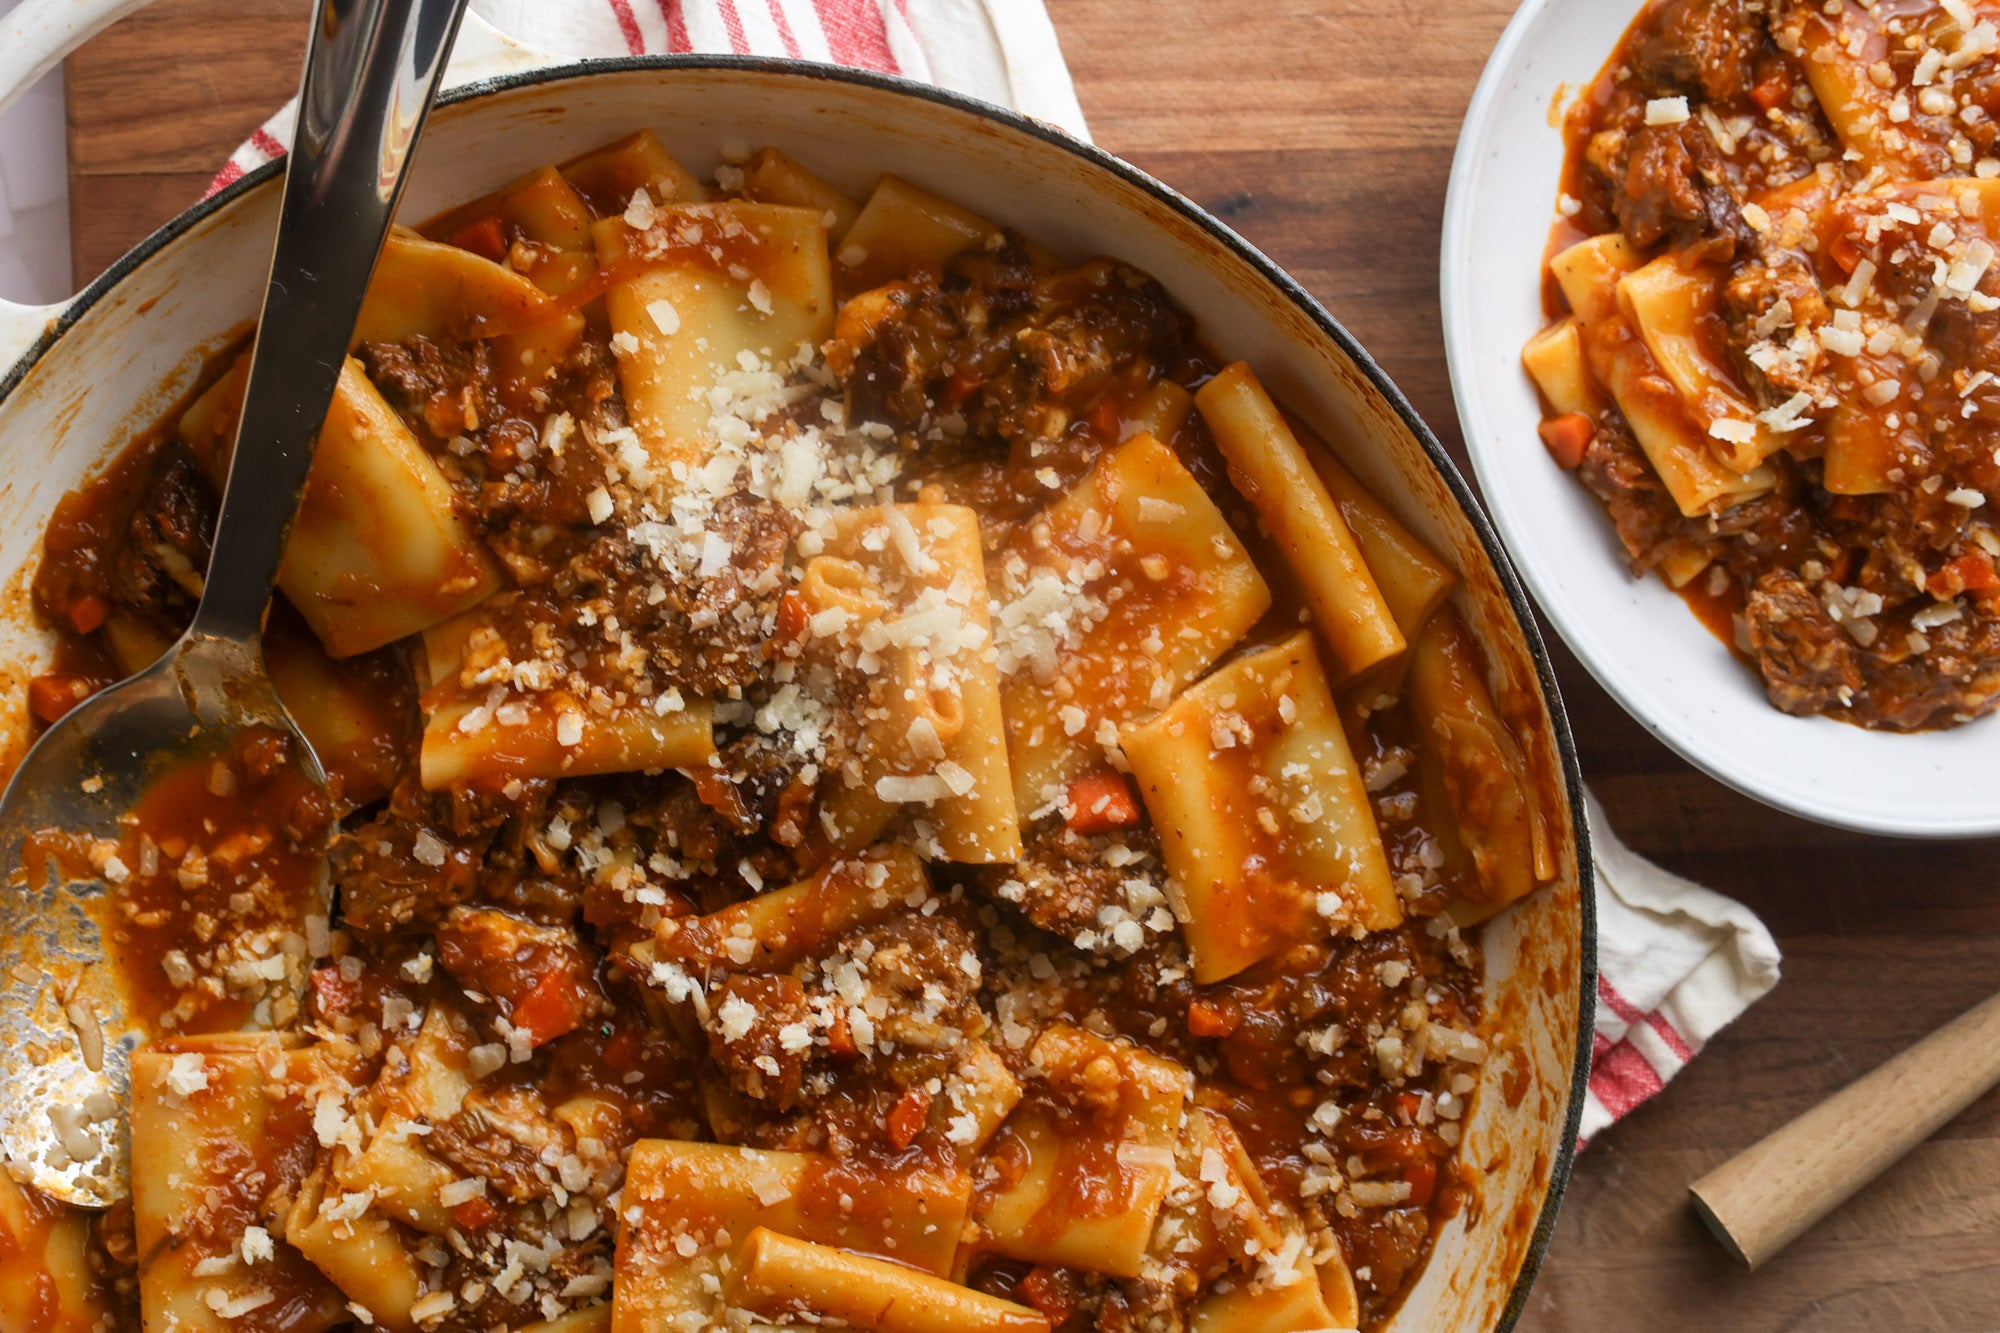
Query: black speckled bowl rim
(1226, 238)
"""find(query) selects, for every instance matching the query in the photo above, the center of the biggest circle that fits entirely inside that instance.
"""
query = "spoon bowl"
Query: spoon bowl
(69, 1046)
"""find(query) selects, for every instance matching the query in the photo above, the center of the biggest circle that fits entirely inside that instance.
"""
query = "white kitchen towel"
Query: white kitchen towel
(1676, 963)
(1002, 51)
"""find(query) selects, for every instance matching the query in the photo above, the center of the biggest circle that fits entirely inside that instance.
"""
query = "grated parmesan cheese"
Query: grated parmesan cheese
(1666, 111)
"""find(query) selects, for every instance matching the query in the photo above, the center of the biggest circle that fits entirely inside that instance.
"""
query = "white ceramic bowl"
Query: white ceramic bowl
(93, 370)
(1635, 635)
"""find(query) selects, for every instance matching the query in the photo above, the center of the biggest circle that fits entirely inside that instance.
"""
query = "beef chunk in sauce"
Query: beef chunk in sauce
(162, 563)
(1617, 473)
(1764, 301)
(396, 875)
(1015, 350)
(447, 387)
(1705, 48)
(1062, 882)
(1673, 185)
(1808, 662)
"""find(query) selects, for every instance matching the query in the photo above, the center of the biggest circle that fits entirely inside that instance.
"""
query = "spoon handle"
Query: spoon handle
(1764, 1198)
(372, 71)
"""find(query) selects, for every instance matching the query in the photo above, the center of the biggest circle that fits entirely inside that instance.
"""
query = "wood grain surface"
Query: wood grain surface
(1323, 130)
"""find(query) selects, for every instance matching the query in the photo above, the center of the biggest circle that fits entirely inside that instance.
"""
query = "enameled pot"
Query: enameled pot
(89, 373)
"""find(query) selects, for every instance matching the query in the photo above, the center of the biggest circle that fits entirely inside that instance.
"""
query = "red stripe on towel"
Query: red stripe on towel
(856, 35)
(628, 26)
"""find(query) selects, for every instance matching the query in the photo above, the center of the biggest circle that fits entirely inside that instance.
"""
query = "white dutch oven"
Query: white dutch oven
(90, 372)
(1635, 635)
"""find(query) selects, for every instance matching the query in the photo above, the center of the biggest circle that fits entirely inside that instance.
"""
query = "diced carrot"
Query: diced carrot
(794, 619)
(333, 994)
(1971, 572)
(485, 238)
(964, 382)
(475, 1214)
(1774, 88)
(87, 612)
(1099, 801)
(623, 1050)
(1041, 1290)
(904, 1122)
(840, 1035)
(1567, 437)
(1105, 419)
(1213, 1018)
(555, 1006)
(1421, 1176)
(1845, 253)
(55, 693)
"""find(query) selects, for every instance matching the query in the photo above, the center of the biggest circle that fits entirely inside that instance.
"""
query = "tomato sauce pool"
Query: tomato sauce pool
(218, 868)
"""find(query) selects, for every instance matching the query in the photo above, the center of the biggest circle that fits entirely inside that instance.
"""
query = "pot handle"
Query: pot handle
(36, 35)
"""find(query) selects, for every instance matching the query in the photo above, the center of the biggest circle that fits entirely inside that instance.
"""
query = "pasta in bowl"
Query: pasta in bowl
(1768, 422)
(876, 779)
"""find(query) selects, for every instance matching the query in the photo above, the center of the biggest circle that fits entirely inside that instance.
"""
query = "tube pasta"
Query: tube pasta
(1839, 49)
(901, 590)
(1262, 1307)
(1271, 469)
(393, 1167)
(608, 177)
(1554, 357)
(46, 1280)
(378, 550)
(1199, 1237)
(774, 931)
(1161, 413)
(1483, 770)
(902, 227)
(350, 726)
(425, 289)
(1862, 449)
(1412, 581)
(1148, 586)
(1097, 1167)
(984, 1089)
(555, 734)
(1590, 273)
(770, 177)
(687, 1205)
(702, 292)
(1261, 872)
(541, 207)
(361, 1252)
(219, 1125)
(1666, 303)
(777, 1275)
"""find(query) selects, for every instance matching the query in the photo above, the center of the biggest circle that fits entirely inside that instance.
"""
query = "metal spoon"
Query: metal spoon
(372, 71)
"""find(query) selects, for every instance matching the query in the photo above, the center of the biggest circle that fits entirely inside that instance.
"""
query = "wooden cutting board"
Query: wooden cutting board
(1323, 130)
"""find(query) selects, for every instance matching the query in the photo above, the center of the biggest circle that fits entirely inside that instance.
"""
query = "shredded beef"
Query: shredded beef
(1808, 662)
(1704, 47)
(161, 566)
(387, 887)
(1617, 473)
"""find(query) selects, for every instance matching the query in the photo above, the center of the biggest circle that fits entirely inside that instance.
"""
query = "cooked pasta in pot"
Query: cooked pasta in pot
(1773, 347)
(873, 782)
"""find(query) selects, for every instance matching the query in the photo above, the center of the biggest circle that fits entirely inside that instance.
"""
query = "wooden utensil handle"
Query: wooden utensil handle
(1764, 1198)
